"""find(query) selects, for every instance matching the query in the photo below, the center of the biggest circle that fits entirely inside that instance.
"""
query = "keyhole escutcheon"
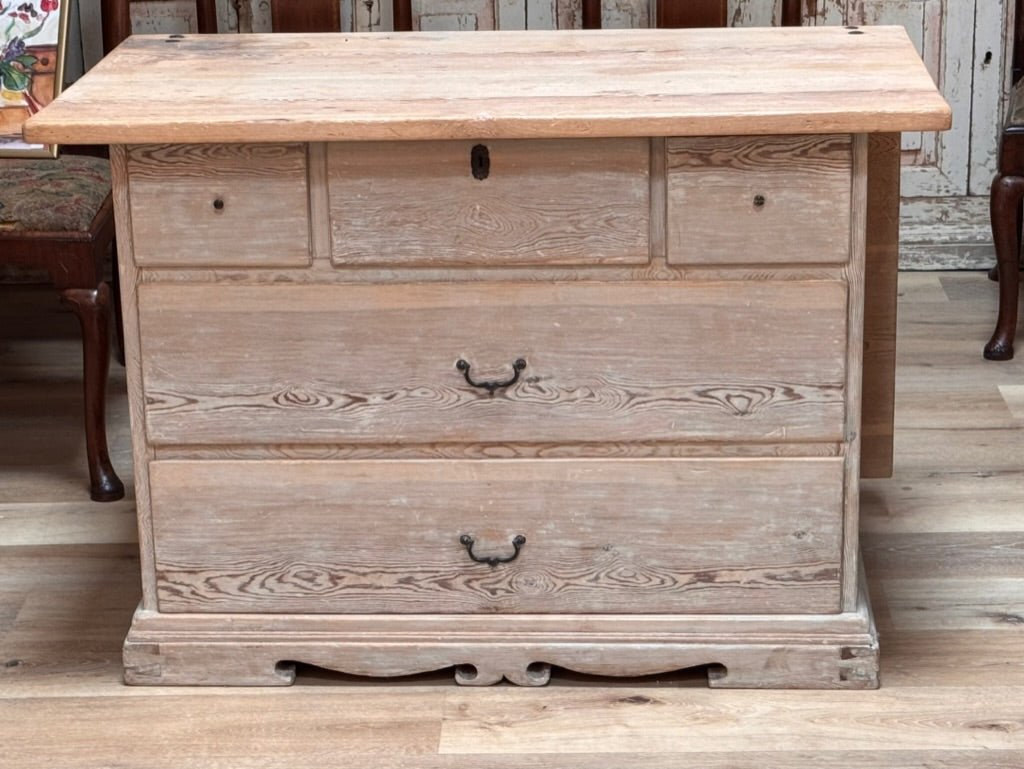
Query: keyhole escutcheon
(480, 162)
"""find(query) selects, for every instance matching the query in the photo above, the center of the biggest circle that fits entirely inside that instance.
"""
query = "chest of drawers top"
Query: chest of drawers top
(534, 84)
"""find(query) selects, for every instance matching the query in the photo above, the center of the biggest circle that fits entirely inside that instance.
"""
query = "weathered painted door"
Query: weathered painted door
(946, 176)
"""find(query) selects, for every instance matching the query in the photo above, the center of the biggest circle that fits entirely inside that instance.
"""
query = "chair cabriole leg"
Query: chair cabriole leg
(92, 307)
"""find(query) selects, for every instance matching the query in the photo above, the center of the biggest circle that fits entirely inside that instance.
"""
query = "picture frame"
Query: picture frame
(33, 42)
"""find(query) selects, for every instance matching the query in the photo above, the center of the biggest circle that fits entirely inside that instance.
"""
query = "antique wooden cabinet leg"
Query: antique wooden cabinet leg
(798, 667)
(92, 306)
(1007, 193)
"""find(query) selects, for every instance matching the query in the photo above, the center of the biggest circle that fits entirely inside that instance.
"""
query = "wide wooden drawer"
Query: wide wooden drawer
(378, 364)
(693, 535)
(759, 200)
(219, 205)
(490, 202)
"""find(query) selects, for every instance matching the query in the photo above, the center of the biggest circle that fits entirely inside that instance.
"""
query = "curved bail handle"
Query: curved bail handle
(517, 543)
(517, 367)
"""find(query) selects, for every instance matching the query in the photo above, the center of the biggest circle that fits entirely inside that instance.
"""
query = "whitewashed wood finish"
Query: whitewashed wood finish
(264, 219)
(763, 665)
(491, 450)
(605, 362)
(852, 568)
(543, 202)
(881, 260)
(745, 651)
(142, 451)
(322, 272)
(453, 86)
(804, 182)
(319, 203)
(703, 535)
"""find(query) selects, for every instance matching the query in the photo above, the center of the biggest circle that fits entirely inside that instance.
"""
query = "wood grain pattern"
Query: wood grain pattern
(604, 450)
(852, 566)
(763, 665)
(606, 362)
(881, 259)
(543, 202)
(219, 205)
(771, 199)
(819, 651)
(522, 84)
(718, 536)
(142, 451)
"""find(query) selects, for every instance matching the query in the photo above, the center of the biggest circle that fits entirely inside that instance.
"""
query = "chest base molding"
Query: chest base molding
(812, 651)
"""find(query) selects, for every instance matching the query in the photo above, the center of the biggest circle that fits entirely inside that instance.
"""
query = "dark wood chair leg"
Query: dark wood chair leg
(206, 16)
(993, 273)
(115, 288)
(791, 13)
(1007, 194)
(92, 306)
(402, 10)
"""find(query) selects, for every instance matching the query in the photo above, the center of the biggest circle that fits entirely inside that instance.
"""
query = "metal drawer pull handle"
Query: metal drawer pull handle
(517, 542)
(518, 366)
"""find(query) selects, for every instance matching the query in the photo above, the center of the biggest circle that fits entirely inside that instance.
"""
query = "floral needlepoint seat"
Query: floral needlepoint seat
(62, 195)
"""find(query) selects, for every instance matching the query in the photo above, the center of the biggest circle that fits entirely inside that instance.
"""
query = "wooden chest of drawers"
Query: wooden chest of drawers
(502, 387)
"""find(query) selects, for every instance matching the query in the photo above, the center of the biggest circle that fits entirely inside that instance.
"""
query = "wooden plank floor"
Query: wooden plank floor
(944, 543)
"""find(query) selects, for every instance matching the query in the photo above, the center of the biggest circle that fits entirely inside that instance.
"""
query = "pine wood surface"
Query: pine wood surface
(451, 86)
(705, 535)
(602, 362)
(942, 540)
(542, 202)
(760, 189)
(220, 205)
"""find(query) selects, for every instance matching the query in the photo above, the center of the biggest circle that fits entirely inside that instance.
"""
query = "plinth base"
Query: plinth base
(764, 651)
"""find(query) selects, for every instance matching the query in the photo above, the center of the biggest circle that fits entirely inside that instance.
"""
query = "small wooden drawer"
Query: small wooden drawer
(378, 364)
(763, 200)
(219, 205)
(760, 536)
(490, 202)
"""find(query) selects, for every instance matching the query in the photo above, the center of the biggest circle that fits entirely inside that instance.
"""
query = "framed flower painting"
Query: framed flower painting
(33, 34)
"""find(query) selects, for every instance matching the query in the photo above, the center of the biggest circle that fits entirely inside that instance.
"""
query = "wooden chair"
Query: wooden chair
(57, 216)
(1005, 210)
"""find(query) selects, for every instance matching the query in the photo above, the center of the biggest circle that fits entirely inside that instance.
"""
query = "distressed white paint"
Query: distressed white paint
(935, 164)
(992, 48)
(949, 233)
